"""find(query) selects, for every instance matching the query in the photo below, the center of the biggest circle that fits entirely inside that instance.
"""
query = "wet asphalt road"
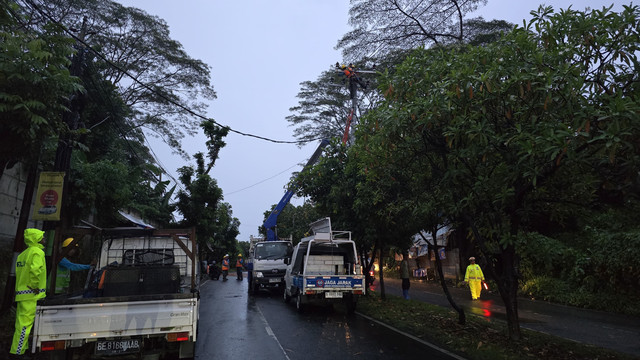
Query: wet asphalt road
(234, 325)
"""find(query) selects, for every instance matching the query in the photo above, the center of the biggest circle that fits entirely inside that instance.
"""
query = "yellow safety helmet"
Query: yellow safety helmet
(239, 255)
(67, 242)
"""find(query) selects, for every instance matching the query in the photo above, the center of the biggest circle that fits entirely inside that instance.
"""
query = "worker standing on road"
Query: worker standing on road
(474, 277)
(239, 266)
(225, 267)
(65, 267)
(31, 282)
(404, 274)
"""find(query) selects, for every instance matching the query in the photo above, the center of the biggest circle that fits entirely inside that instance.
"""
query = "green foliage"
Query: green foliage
(34, 83)
(100, 188)
(200, 203)
(503, 133)
(592, 268)
(139, 44)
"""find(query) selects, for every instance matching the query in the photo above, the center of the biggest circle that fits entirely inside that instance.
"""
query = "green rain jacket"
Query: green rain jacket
(31, 272)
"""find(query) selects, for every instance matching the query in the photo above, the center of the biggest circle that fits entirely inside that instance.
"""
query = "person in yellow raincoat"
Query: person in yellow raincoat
(474, 277)
(31, 282)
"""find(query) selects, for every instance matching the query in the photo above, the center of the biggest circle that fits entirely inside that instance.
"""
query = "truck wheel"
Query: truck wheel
(286, 297)
(299, 305)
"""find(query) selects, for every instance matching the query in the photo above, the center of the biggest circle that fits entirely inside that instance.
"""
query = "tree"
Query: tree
(518, 127)
(200, 202)
(384, 26)
(322, 110)
(34, 82)
(167, 84)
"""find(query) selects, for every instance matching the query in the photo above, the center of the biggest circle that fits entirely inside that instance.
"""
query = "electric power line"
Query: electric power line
(261, 181)
(132, 77)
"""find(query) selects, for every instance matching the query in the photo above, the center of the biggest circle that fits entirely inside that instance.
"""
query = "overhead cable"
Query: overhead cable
(132, 77)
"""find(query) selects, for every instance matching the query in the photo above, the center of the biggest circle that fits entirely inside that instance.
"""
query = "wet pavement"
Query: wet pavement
(606, 330)
(233, 324)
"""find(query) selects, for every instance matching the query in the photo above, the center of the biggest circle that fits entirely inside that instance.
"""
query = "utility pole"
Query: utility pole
(62, 163)
(354, 82)
(63, 156)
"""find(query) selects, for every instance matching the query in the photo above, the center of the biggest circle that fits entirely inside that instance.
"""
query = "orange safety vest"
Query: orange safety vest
(239, 263)
(225, 264)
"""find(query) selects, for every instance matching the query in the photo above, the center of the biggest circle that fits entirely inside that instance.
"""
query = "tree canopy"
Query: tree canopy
(382, 27)
(34, 84)
(514, 129)
(164, 84)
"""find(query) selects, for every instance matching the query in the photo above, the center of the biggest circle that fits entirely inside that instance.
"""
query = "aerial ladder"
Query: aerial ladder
(270, 224)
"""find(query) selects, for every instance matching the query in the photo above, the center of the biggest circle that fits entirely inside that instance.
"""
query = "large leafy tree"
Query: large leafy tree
(34, 83)
(518, 128)
(112, 168)
(167, 83)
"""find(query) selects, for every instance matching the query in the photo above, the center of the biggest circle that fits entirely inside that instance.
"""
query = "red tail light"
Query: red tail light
(52, 345)
(180, 336)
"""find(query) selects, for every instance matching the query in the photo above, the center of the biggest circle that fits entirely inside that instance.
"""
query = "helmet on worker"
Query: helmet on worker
(67, 242)
(239, 255)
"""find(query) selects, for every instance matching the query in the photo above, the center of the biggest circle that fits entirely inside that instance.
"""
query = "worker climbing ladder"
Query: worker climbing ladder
(353, 77)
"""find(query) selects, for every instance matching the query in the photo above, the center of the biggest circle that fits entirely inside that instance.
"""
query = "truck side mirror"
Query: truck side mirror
(287, 260)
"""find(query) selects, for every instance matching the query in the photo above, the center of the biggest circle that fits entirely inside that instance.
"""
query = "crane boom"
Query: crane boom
(272, 220)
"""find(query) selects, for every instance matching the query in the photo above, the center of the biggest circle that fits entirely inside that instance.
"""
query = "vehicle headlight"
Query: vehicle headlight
(259, 274)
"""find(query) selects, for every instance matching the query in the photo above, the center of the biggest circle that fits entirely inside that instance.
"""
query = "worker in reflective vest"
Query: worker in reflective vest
(31, 281)
(239, 266)
(65, 267)
(225, 267)
(474, 277)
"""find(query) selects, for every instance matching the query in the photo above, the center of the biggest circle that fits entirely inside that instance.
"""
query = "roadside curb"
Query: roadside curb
(426, 343)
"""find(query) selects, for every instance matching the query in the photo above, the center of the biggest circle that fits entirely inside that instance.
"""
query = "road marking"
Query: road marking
(270, 332)
(433, 346)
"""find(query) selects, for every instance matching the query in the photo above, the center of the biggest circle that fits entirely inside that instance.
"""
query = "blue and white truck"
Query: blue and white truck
(324, 269)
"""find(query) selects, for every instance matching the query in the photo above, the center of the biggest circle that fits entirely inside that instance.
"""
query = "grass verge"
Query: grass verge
(479, 338)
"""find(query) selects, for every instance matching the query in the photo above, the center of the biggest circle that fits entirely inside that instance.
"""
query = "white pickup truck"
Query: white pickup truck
(143, 300)
(324, 269)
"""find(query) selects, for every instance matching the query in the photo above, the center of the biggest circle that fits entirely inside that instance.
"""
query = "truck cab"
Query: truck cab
(267, 267)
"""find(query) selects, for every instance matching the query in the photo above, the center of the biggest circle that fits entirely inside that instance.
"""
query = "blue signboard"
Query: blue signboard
(330, 282)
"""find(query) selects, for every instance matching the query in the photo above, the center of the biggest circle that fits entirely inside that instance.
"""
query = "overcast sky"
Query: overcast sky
(259, 52)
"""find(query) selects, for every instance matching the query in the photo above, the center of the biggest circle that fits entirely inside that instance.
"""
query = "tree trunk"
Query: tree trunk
(383, 295)
(509, 294)
(462, 319)
(369, 264)
(506, 279)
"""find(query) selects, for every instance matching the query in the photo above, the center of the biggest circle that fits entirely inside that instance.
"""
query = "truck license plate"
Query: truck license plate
(333, 295)
(123, 346)
(276, 280)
